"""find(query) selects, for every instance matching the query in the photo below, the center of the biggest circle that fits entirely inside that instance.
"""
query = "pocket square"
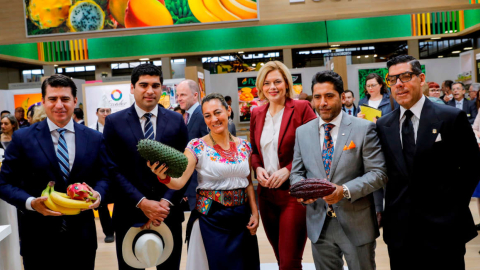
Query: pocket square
(350, 146)
(439, 138)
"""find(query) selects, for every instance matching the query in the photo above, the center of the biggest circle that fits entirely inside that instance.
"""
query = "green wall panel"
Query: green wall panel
(369, 28)
(27, 50)
(208, 40)
(472, 17)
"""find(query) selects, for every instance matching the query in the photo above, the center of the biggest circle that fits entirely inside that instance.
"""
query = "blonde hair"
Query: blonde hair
(39, 114)
(425, 90)
(267, 68)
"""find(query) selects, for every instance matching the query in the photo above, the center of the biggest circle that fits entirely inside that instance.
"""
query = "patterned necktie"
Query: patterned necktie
(187, 116)
(62, 154)
(327, 151)
(148, 129)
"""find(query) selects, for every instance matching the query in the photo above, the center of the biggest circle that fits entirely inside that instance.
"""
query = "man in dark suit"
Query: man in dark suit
(20, 116)
(78, 116)
(63, 151)
(427, 219)
(349, 105)
(459, 101)
(139, 196)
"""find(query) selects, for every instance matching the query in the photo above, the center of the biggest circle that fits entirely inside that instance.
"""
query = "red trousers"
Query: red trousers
(284, 220)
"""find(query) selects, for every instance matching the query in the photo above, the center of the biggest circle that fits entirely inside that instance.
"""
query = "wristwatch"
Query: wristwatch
(346, 192)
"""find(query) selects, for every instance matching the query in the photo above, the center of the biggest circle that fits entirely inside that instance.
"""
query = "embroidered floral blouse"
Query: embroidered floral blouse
(215, 172)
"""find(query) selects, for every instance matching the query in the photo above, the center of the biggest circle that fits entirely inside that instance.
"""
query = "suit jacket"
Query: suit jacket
(415, 208)
(362, 170)
(196, 129)
(468, 107)
(131, 176)
(33, 148)
(296, 113)
(354, 112)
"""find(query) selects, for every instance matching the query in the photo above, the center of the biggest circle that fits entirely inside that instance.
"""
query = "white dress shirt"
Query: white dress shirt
(69, 139)
(459, 104)
(269, 141)
(191, 110)
(153, 118)
(334, 132)
(417, 111)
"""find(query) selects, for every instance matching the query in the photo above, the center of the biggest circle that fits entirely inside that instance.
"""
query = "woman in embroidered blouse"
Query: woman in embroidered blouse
(272, 134)
(221, 230)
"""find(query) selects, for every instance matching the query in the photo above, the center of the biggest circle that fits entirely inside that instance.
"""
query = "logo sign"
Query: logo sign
(116, 95)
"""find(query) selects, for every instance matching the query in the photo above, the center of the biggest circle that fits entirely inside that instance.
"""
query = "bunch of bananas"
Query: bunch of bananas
(223, 10)
(61, 202)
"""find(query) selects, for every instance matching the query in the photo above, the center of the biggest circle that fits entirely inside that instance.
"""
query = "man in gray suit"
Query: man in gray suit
(346, 151)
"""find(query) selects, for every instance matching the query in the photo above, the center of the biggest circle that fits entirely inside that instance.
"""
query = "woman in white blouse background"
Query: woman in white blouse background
(272, 135)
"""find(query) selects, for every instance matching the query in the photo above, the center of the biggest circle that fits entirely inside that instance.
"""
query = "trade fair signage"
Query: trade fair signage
(53, 17)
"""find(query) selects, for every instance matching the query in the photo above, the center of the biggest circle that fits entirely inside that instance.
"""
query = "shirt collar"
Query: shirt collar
(336, 121)
(193, 108)
(141, 112)
(416, 109)
(52, 126)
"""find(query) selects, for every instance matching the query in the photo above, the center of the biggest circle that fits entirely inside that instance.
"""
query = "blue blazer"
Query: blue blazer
(31, 162)
(131, 177)
(355, 111)
(468, 107)
(196, 129)
(384, 106)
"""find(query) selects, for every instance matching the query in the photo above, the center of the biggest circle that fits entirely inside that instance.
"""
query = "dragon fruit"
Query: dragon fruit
(85, 16)
(48, 13)
(80, 192)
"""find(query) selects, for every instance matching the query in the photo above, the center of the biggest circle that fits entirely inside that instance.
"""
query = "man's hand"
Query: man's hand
(96, 203)
(447, 98)
(309, 201)
(335, 197)
(155, 211)
(262, 177)
(278, 178)
(38, 204)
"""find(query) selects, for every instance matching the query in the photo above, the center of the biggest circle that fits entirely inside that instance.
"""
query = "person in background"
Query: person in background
(78, 116)
(476, 130)
(39, 114)
(272, 135)
(473, 91)
(460, 102)
(4, 112)
(432, 91)
(349, 105)
(378, 97)
(9, 124)
(302, 96)
(103, 110)
(179, 110)
(20, 115)
(447, 91)
(30, 113)
(228, 99)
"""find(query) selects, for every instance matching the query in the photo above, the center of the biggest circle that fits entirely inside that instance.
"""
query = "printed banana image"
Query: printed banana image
(57, 208)
(248, 3)
(220, 11)
(241, 11)
(201, 12)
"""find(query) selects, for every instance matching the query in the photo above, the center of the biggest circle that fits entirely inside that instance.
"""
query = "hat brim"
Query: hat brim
(127, 250)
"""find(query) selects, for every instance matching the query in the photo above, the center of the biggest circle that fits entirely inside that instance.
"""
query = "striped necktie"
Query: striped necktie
(62, 154)
(148, 129)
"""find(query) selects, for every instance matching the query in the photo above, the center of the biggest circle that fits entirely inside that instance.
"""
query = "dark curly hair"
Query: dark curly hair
(331, 77)
(379, 80)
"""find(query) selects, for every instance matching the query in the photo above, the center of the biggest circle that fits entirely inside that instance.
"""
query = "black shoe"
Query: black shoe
(478, 227)
(110, 239)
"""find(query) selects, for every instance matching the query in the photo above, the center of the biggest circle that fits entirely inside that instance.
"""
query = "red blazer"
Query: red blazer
(296, 113)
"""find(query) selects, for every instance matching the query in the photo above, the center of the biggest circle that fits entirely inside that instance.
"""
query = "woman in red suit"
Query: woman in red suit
(272, 135)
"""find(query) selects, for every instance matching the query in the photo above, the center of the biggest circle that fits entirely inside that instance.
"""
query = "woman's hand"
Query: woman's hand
(262, 177)
(252, 225)
(160, 170)
(278, 178)
(361, 115)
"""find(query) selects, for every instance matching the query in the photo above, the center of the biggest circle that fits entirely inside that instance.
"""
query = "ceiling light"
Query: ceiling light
(468, 48)
(358, 56)
(261, 64)
(375, 55)
(254, 65)
(382, 57)
(366, 56)
(335, 45)
(456, 52)
(440, 56)
(144, 59)
(241, 52)
(436, 38)
(55, 65)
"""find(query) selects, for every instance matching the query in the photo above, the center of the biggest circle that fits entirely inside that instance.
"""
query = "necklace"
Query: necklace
(230, 154)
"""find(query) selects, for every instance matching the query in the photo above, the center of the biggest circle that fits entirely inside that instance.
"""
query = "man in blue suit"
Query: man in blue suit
(56, 149)
(188, 93)
(460, 102)
(139, 196)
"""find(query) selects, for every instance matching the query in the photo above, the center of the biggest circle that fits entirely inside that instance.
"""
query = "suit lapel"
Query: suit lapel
(162, 122)
(317, 152)
(134, 124)
(342, 140)
(81, 141)
(194, 115)
(394, 141)
(428, 128)
(44, 138)
(287, 114)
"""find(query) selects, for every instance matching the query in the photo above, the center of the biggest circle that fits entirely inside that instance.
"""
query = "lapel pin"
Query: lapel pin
(434, 131)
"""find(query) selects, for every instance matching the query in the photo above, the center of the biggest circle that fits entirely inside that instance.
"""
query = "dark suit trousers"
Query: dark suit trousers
(285, 223)
(172, 263)
(105, 220)
(414, 256)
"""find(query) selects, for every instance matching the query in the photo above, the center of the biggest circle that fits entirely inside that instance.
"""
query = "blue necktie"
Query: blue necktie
(148, 129)
(327, 151)
(62, 154)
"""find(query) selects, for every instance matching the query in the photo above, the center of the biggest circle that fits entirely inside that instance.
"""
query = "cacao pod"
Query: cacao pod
(312, 189)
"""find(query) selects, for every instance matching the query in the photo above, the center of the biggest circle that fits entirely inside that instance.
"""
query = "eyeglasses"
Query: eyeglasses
(372, 85)
(404, 77)
(104, 111)
(435, 90)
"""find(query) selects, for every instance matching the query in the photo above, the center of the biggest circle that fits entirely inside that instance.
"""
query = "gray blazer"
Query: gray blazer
(362, 170)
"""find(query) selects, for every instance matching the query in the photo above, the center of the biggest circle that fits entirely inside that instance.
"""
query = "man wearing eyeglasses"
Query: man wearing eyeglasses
(460, 102)
(427, 219)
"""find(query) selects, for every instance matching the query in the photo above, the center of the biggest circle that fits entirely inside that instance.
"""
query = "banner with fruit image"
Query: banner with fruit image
(297, 85)
(247, 97)
(27, 100)
(47, 17)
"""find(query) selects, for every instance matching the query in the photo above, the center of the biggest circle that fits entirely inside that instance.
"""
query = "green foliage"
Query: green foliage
(180, 11)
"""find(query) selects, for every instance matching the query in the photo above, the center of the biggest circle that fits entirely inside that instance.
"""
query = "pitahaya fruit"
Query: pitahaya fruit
(85, 16)
(48, 13)
(80, 192)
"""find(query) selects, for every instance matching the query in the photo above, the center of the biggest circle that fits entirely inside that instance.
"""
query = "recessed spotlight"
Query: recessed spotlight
(366, 56)
(335, 45)
(144, 59)
(467, 48)
(456, 52)
(375, 55)
(358, 56)
(440, 56)
(451, 31)
(240, 52)
(254, 65)
(55, 65)
(435, 38)
(261, 64)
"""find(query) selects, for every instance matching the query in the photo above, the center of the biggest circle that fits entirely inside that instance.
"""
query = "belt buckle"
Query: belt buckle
(331, 213)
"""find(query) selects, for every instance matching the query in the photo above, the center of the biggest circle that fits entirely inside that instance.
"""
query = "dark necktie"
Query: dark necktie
(327, 151)
(62, 154)
(408, 140)
(187, 117)
(349, 112)
(148, 129)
